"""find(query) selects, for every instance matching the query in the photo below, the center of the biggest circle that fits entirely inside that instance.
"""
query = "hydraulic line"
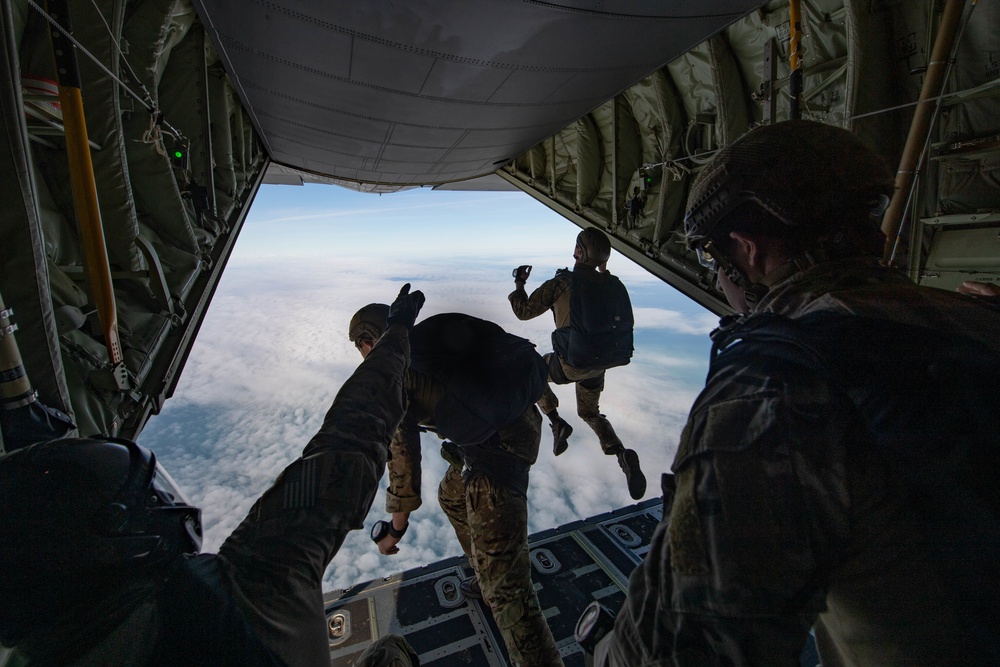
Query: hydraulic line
(84, 188)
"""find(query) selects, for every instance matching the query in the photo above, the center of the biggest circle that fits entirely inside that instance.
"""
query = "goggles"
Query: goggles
(716, 261)
(713, 260)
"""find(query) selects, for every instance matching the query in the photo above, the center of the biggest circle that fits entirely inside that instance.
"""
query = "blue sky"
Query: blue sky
(273, 351)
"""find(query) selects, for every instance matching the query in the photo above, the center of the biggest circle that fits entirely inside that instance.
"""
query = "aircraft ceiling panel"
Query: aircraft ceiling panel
(490, 137)
(468, 81)
(497, 77)
(678, 9)
(522, 87)
(341, 123)
(405, 134)
(415, 155)
(385, 70)
(249, 32)
(455, 165)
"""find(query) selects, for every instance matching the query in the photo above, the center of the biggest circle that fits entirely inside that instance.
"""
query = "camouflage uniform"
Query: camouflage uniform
(490, 519)
(553, 295)
(259, 601)
(788, 512)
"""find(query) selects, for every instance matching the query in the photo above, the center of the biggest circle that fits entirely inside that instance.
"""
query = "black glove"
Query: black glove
(405, 308)
(521, 273)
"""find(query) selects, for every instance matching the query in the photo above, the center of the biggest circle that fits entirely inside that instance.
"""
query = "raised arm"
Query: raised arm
(541, 300)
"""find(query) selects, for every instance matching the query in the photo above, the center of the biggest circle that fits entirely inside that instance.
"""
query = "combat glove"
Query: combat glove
(405, 308)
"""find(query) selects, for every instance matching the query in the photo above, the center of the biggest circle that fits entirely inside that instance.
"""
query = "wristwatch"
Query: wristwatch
(383, 528)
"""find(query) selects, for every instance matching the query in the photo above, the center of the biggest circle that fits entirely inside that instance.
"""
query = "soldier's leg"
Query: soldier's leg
(549, 401)
(451, 497)
(588, 398)
(498, 522)
(548, 404)
(561, 430)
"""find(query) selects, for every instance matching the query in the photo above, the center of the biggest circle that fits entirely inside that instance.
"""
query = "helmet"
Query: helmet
(77, 515)
(595, 246)
(808, 178)
(369, 320)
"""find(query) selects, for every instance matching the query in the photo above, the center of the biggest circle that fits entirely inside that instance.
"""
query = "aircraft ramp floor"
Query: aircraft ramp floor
(572, 566)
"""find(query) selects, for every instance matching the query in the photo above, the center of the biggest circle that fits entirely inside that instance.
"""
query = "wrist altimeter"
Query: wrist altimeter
(383, 528)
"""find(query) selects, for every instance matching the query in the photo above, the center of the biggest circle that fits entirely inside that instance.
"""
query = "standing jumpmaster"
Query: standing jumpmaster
(593, 317)
(838, 472)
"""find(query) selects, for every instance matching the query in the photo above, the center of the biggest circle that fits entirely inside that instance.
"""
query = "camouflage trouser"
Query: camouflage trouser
(389, 651)
(491, 523)
(589, 385)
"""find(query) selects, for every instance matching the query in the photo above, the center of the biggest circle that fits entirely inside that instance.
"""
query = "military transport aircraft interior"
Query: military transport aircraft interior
(138, 132)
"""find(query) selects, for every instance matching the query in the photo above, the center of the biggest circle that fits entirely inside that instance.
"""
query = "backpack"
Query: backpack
(928, 398)
(490, 377)
(600, 332)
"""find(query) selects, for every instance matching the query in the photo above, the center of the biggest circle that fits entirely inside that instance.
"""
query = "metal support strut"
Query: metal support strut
(84, 188)
(795, 59)
(916, 140)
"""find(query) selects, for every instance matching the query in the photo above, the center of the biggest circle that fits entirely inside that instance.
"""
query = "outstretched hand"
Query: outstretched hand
(405, 308)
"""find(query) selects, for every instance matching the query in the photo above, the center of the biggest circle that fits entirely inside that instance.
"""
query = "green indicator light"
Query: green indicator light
(178, 154)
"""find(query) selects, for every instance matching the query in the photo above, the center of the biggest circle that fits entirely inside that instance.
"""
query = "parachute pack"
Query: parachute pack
(600, 332)
(490, 376)
(927, 398)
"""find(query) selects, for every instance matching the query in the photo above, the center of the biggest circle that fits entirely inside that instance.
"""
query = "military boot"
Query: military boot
(629, 462)
(470, 588)
(561, 430)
